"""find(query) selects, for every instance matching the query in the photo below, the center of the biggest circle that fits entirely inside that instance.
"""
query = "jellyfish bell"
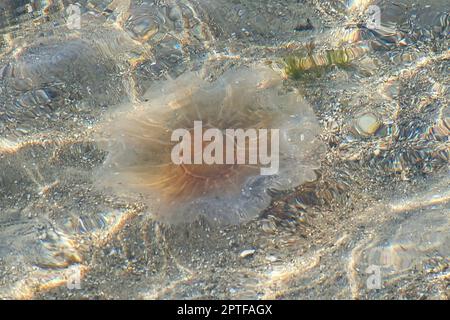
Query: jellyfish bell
(140, 145)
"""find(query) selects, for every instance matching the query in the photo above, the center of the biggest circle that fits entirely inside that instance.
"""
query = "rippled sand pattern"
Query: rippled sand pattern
(374, 224)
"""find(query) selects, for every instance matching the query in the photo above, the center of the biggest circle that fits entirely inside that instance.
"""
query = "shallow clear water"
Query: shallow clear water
(374, 223)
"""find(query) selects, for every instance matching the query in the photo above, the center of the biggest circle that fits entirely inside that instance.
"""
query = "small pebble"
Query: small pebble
(271, 258)
(247, 253)
(367, 124)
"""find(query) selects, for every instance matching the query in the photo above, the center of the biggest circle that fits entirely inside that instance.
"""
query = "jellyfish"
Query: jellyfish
(138, 139)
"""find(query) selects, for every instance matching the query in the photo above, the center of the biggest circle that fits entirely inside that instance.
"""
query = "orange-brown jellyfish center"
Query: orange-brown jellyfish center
(209, 178)
(207, 171)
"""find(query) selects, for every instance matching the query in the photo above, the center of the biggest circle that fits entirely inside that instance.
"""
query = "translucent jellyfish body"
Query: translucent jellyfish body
(139, 145)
